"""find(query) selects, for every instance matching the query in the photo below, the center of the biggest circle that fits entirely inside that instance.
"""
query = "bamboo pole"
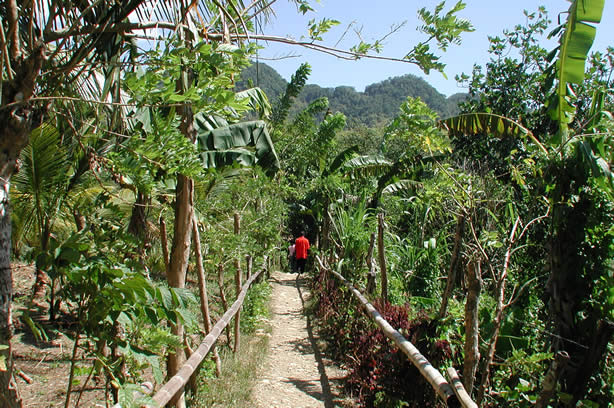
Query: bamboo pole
(204, 297)
(461, 393)
(382, 256)
(430, 373)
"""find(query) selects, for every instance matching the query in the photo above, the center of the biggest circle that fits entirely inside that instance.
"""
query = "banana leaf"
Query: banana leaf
(487, 124)
(245, 143)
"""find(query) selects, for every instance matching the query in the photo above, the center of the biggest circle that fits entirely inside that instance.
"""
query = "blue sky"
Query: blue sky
(374, 19)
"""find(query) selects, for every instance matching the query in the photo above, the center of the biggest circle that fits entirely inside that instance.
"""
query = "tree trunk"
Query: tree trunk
(499, 309)
(178, 264)
(138, 219)
(578, 331)
(472, 351)
(382, 256)
(164, 243)
(238, 273)
(371, 266)
(16, 123)
(454, 260)
(8, 391)
(551, 379)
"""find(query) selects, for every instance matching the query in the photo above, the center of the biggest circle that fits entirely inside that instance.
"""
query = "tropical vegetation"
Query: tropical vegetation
(134, 156)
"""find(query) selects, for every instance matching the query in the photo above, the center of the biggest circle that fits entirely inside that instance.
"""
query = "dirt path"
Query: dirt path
(295, 373)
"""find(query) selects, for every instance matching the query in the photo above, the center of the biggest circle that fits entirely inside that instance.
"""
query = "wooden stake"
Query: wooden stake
(220, 282)
(249, 262)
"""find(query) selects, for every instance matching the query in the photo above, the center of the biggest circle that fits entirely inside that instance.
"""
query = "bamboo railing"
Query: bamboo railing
(453, 396)
(177, 383)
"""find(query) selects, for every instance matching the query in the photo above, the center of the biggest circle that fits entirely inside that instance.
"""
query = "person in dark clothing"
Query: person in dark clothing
(301, 250)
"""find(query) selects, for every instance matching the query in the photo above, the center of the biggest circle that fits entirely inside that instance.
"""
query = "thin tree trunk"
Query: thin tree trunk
(184, 214)
(138, 219)
(382, 256)
(204, 297)
(454, 260)
(179, 257)
(249, 262)
(551, 379)
(472, 351)
(499, 309)
(164, 243)
(371, 266)
(238, 315)
(41, 279)
(237, 231)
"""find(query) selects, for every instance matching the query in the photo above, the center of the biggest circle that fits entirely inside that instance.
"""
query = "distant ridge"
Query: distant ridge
(378, 104)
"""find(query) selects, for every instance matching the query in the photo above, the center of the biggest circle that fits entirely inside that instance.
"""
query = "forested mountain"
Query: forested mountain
(378, 103)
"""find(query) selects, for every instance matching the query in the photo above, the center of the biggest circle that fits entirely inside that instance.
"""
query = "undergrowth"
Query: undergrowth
(233, 388)
(378, 373)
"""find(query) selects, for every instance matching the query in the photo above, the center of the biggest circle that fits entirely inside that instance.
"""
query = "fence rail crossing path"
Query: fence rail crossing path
(295, 373)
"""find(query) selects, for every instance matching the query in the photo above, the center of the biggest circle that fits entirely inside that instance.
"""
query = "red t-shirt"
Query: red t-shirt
(302, 246)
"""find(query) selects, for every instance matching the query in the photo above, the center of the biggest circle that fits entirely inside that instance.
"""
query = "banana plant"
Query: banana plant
(576, 162)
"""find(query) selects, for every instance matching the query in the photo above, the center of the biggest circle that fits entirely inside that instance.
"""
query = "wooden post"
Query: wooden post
(238, 315)
(164, 239)
(220, 282)
(237, 223)
(382, 256)
(371, 274)
(249, 262)
(204, 297)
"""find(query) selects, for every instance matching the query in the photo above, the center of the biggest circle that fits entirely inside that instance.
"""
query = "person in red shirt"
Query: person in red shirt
(301, 250)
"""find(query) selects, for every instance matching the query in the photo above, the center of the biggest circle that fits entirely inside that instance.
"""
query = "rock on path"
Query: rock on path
(295, 373)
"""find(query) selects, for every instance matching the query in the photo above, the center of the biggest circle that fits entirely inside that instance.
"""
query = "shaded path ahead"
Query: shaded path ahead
(295, 373)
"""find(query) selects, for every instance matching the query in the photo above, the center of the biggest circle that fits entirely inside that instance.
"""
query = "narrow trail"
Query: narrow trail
(295, 373)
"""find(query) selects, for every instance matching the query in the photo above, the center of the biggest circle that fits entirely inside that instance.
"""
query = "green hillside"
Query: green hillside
(377, 104)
